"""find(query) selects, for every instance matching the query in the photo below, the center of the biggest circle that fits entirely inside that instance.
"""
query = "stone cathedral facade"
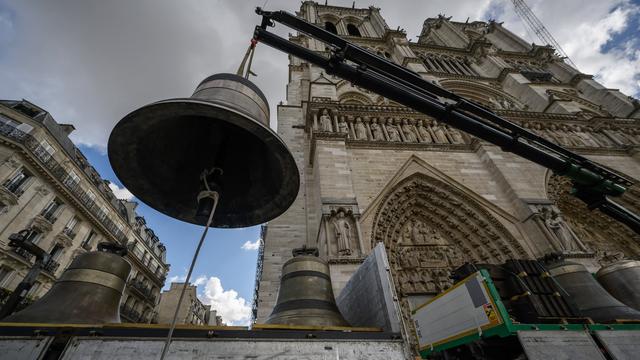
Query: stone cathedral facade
(374, 171)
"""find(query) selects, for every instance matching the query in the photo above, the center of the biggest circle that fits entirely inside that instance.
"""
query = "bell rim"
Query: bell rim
(291, 182)
(616, 267)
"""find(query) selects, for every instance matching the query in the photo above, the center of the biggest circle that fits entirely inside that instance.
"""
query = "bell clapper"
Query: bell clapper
(207, 196)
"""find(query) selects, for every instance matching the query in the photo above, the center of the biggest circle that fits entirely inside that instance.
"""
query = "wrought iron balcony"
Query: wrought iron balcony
(15, 188)
(23, 253)
(129, 313)
(141, 288)
(51, 267)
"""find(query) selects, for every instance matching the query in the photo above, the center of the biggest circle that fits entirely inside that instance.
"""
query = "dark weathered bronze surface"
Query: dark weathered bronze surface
(591, 299)
(306, 296)
(622, 280)
(88, 292)
(160, 150)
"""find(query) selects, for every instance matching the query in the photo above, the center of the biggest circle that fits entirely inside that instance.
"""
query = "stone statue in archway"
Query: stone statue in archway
(392, 130)
(361, 130)
(376, 131)
(425, 137)
(343, 127)
(565, 237)
(342, 230)
(325, 121)
(407, 130)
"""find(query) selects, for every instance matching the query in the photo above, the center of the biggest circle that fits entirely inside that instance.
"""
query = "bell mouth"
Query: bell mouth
(160, 150)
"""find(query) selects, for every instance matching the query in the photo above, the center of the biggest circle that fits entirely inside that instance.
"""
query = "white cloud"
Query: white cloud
(582, 28)
(176, 278)
(121, 193)
(234, 309)
(200, 280)
(248, 245)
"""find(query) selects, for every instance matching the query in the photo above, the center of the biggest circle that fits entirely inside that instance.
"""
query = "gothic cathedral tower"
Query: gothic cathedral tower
(373, 171)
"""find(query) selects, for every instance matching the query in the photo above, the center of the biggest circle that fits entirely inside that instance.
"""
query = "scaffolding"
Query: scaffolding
(256, 287)
(531, 20)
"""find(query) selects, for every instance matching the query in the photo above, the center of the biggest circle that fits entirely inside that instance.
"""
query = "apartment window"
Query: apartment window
(45, 151)
(5, 275)
(51, 209)
(17, 182)
(89, 239)
(56, 252)
(34, 236)
(34, 289)
(72, 180)
(71, 225)
(103, 212)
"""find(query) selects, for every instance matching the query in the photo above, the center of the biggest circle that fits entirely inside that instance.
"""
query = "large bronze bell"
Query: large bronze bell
(306, 296)
(88, 292)
(160, 151)
(591, 299)
(622, 280)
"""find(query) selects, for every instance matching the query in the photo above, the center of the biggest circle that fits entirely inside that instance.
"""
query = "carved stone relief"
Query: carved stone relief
(340, 234)
(399, 129)
(557, 230)
(574, 135)
(592, 228)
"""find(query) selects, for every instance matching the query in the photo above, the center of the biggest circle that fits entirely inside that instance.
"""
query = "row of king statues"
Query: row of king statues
(430, 131)
(407, 130)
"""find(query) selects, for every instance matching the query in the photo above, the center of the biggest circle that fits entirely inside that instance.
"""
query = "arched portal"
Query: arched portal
(429, 228)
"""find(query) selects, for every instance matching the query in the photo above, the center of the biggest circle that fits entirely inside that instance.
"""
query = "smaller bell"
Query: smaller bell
(622, 280)
(592, 300)
(306, 296)
(88, 292)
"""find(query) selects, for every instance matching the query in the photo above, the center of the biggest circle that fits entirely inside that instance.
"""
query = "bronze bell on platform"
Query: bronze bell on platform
(160, 151)
(622, 280)
(591, 299)
(88, 292)
(306, 296)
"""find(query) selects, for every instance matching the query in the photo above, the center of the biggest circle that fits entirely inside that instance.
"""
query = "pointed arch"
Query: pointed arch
(451, 228)
(353, 97)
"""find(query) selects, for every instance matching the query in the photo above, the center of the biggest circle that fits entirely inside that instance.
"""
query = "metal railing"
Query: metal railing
(51, 266)
(141, 288)
(129, 313)
(23, 253)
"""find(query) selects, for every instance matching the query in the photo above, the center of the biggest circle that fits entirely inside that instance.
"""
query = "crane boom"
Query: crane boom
(531, 20)
(592, 183)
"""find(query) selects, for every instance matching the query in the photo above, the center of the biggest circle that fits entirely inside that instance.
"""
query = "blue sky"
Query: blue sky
(222, 256)
(90, 62)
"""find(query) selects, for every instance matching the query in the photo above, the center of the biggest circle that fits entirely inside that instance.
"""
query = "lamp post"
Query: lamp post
(19, 240)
